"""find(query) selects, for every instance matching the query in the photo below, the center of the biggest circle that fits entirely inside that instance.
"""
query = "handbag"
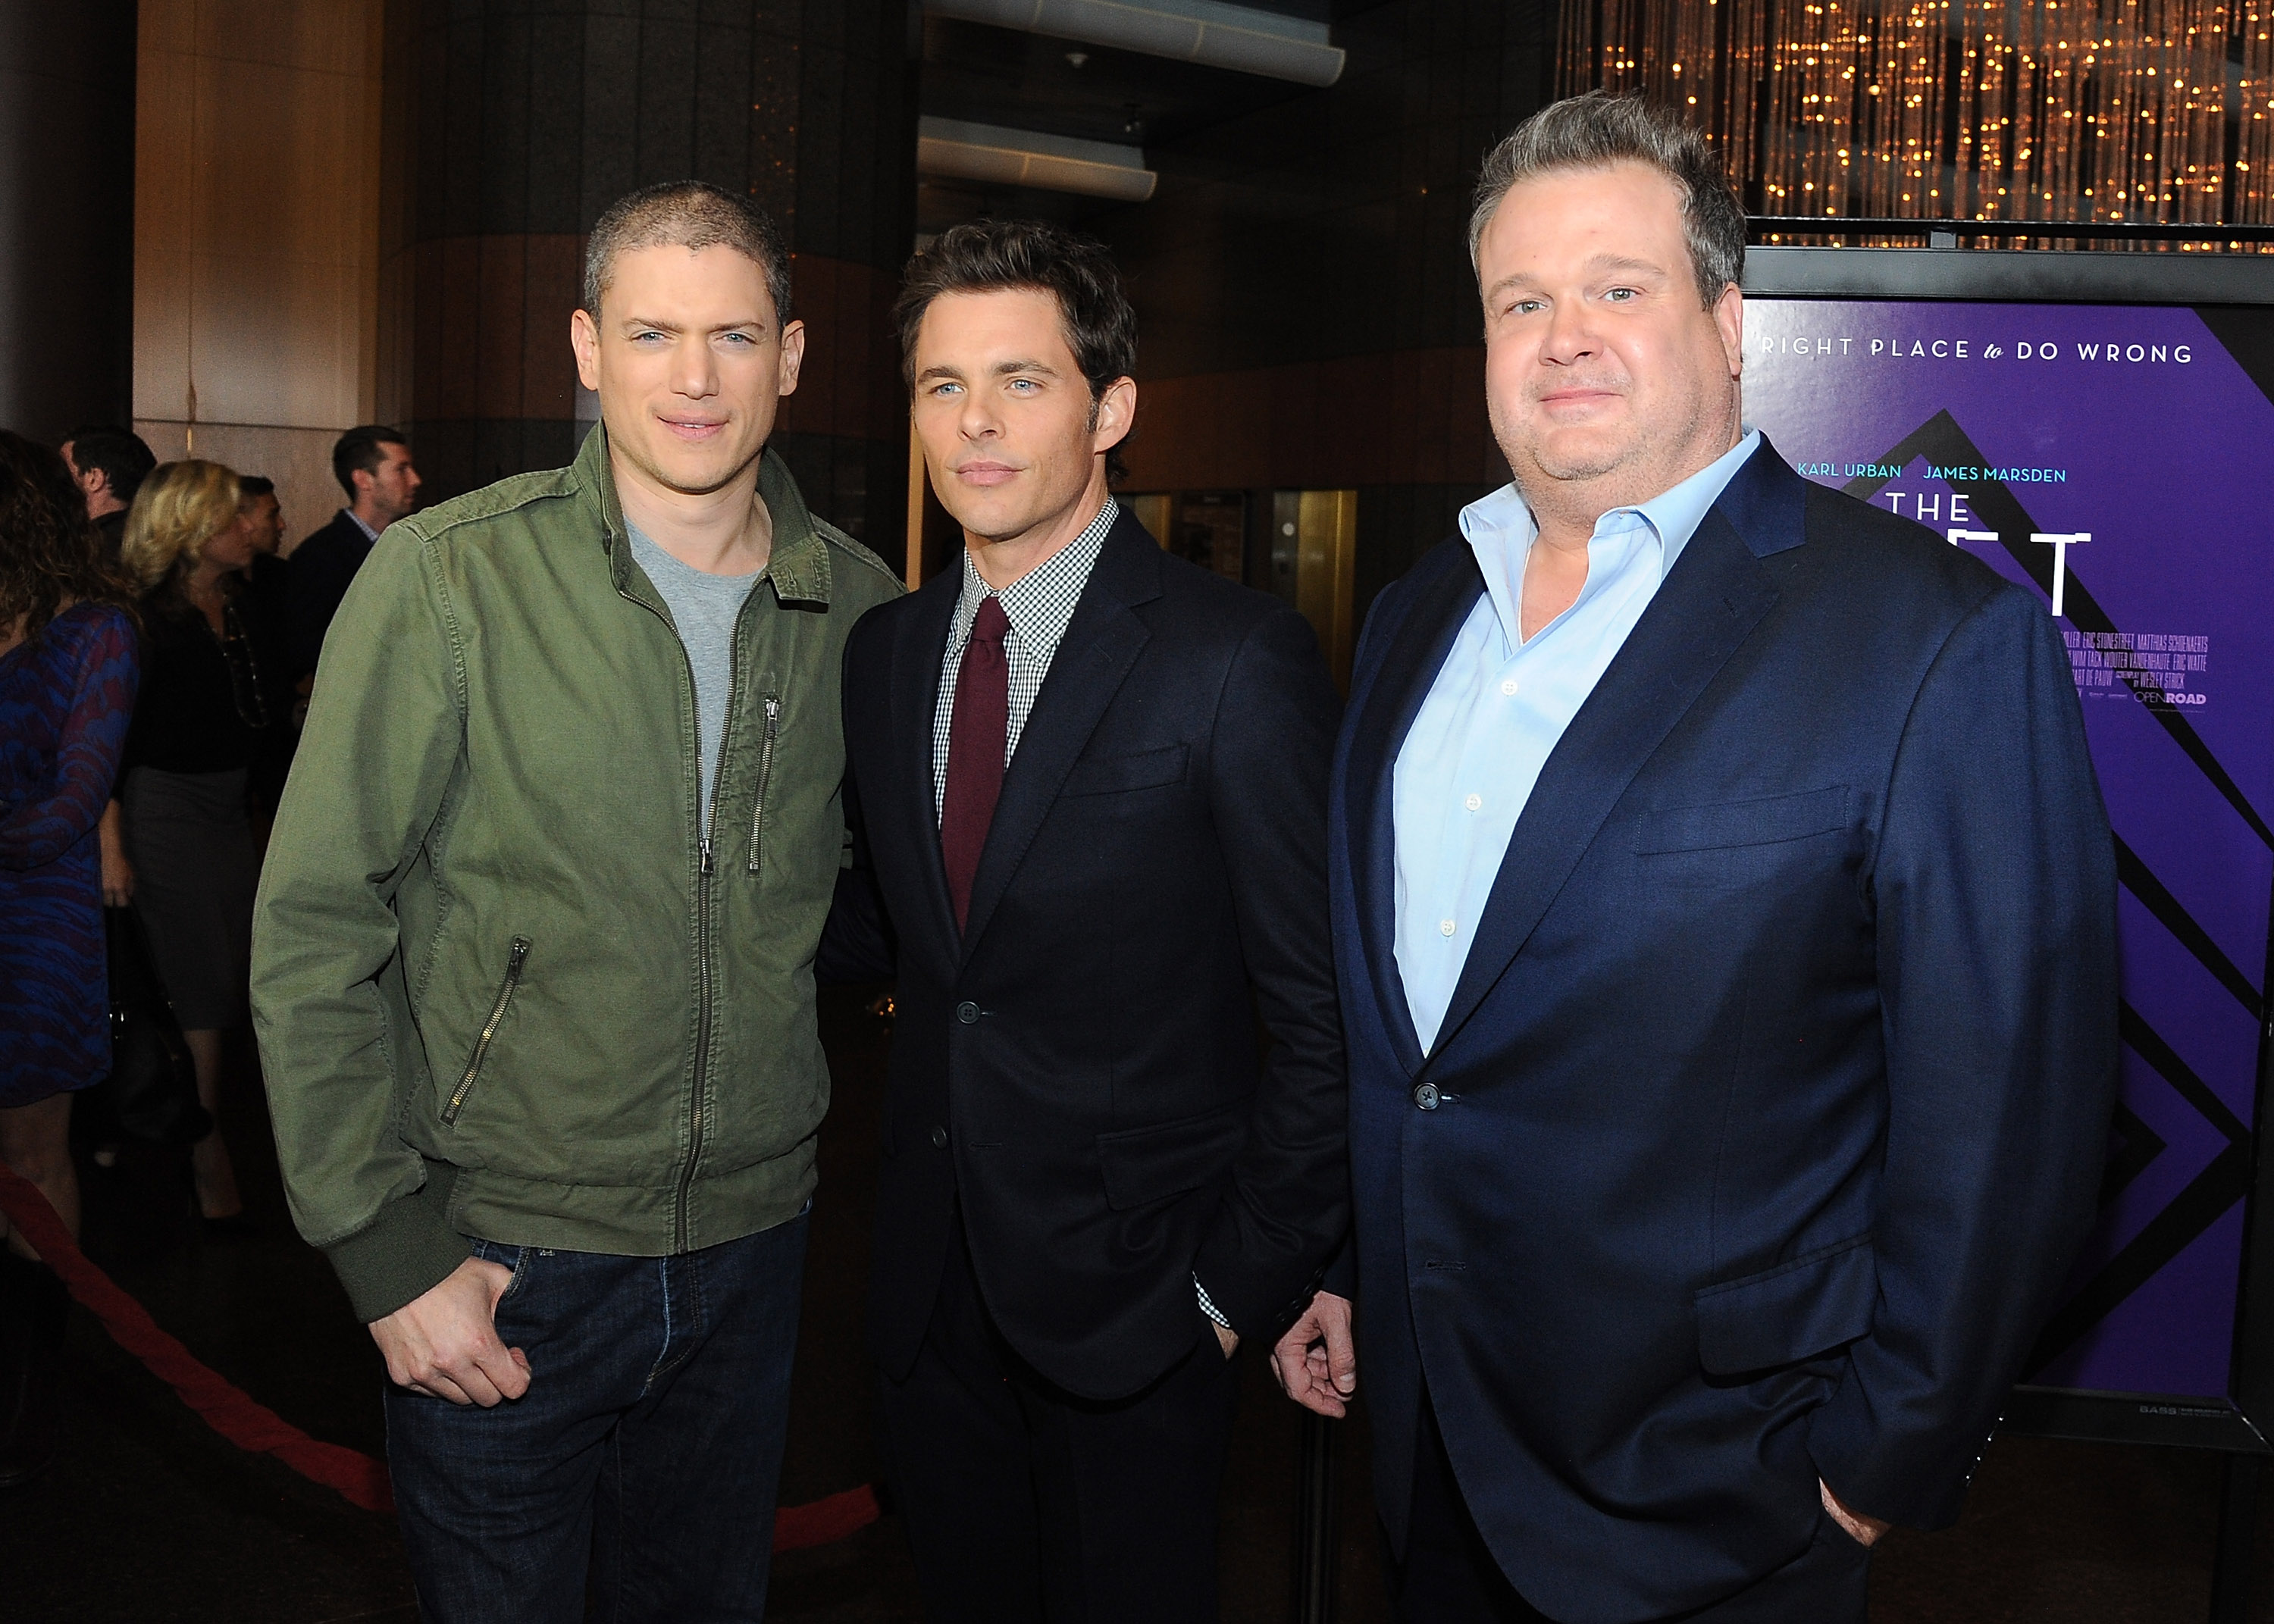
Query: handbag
(150, 1094)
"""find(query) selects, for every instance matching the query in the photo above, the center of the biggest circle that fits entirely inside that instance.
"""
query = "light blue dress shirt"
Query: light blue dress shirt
(1499, 705)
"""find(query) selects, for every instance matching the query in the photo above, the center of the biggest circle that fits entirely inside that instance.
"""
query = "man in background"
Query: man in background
(266, 577)
(372, 464)
(109, 464)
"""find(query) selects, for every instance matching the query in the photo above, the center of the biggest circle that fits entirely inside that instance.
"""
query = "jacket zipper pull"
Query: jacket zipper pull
(516, 957)
(766, 776)
(706, 854)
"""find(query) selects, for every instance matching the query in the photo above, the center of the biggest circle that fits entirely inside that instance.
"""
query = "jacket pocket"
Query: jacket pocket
(1144, 1165)
(1810, 1306)
(516, 957)
(1765, 822)
(767, 740)
(1109, 775)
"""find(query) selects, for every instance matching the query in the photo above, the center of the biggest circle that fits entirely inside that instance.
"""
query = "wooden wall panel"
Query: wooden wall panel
(256, 190)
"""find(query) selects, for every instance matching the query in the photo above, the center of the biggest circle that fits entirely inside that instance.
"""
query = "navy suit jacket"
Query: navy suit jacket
(321, 570)
(1771, 1102)
(1076, 1081)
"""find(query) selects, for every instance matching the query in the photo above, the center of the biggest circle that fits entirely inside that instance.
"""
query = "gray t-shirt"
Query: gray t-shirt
(705, 607)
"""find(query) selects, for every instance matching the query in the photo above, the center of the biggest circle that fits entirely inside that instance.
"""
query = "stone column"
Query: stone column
(66, 215)
(530, 120)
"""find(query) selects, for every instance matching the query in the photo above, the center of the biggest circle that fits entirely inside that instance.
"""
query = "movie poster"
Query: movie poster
(2115, 460)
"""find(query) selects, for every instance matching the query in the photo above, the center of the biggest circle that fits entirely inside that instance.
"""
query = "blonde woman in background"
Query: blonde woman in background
(186, 857)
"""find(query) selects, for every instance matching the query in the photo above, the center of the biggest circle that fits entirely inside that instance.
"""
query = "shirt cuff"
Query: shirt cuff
(1209, 1307)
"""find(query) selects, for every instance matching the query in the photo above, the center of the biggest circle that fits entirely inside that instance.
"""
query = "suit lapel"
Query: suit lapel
(1407, 671)
(916, 655)
(1100, 643)
(1717, 593)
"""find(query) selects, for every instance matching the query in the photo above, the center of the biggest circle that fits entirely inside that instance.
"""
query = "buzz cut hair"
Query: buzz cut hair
(693, 215)
(1597, 131)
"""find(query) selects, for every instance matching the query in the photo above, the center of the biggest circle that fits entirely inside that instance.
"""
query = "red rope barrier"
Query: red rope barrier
(258, 1430)
(824, 1522)
(251, 1427)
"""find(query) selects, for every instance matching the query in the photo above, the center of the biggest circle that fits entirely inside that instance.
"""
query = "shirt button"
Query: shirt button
(1474, 803)
(1425, 1096)
(967, 1012)
(939, 1137)
(1444, 927)
(1509, 688)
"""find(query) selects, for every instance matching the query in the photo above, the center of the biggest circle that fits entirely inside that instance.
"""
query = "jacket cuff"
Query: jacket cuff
(1256, 1299)
(1918, 1480)
(404, 1252)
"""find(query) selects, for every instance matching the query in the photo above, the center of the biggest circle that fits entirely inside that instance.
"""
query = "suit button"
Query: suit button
(1425, 1096)
(967, 1012)
(939, 1138)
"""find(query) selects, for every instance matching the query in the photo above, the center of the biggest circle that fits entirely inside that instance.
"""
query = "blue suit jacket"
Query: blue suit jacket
(321, 570)
(1773, 1098)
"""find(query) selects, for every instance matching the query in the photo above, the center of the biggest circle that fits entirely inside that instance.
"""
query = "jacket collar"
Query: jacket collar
(1713, 597)
(798, 565)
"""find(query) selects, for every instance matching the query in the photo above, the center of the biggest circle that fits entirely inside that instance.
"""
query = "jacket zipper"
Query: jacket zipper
(514, 961)
(766, 774)
(702, 990)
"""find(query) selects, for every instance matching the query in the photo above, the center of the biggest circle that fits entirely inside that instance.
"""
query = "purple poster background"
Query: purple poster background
(2131, 425)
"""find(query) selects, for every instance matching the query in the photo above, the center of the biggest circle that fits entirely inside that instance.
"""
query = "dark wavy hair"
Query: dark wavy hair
(990, 256)
(50, 551)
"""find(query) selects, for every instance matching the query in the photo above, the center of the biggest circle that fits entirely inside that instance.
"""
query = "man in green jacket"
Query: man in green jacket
(533, 962)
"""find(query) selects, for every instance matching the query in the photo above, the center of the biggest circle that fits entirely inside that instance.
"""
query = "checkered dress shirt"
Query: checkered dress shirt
(1039, 606)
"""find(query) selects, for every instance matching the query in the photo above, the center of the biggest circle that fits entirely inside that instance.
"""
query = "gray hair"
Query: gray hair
(1597, 129)
(686, 213)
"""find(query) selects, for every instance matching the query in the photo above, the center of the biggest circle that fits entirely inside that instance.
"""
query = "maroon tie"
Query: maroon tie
(976, 735)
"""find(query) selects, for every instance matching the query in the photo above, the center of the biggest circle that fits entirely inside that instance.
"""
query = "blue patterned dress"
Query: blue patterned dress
(64, 700)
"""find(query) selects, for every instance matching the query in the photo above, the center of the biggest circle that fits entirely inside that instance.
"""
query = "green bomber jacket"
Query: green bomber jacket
(503, 986)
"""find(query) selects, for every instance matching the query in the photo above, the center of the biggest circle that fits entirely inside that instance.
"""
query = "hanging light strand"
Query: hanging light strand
(2061, 110)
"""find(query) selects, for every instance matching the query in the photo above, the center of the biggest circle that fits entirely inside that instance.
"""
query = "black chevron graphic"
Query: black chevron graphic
(2134, 876)
(2208, 1196)
(2225, 1179)
(2139, 1145)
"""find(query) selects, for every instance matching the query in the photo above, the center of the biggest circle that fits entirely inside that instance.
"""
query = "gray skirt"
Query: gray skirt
(194, 875)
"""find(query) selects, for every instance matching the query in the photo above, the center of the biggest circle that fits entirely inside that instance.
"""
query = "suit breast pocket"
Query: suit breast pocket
(1731, 844)
(1115, 775)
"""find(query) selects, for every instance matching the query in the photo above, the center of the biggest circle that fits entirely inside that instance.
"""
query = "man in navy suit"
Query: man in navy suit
(1090, 783)
(1725, 918)
(372, 464)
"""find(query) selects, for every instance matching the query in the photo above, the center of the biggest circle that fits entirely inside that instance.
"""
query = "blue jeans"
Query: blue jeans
(647, 1445)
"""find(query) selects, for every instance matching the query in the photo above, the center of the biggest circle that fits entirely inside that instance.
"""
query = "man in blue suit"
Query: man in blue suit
(1725, 917)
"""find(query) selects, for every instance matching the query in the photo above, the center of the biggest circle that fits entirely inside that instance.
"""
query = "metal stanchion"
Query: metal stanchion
(2238, 1531)
(1315, 1523)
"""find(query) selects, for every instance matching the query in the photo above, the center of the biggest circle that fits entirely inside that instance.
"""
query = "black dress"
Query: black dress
(200, 718)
